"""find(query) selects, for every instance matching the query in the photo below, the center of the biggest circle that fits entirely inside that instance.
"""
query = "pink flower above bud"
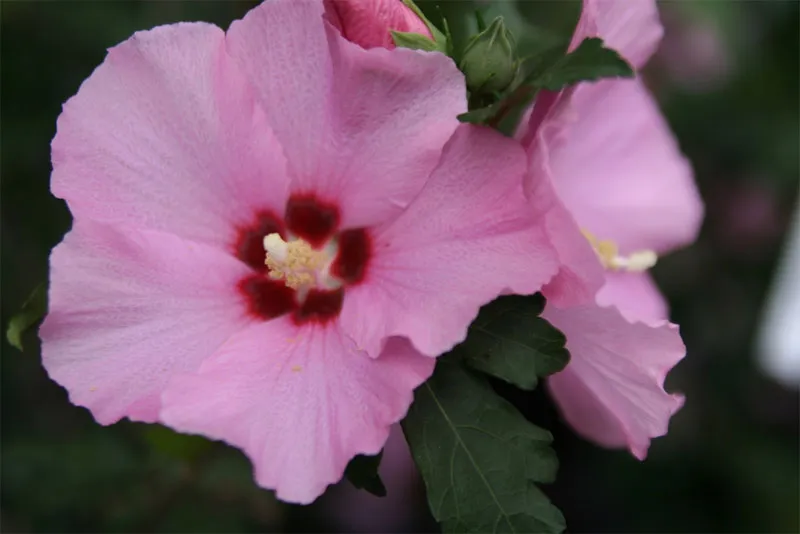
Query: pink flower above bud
(370, 23)
(275, 232)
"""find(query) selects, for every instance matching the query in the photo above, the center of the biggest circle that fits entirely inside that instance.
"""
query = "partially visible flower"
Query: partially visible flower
(694, 54)
(778, 337)
(623, 195)
(747, 217)
(275, 231)
(370, 23)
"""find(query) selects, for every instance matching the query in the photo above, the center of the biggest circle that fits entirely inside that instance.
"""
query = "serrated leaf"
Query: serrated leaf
(479, 457)
(32, 311)
(590, 61)
(362, 472)
(510, 341)
(414, 41)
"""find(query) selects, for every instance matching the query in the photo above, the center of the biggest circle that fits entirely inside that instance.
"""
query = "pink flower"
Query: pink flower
(619, 173)
(386, 227)
(695, 54)
(369, 23)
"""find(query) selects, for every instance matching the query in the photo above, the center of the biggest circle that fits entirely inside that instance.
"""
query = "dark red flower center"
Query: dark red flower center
(317, 223)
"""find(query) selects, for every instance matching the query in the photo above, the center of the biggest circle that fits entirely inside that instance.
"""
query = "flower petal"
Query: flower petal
(130, 309)
(469, 236)
(635, 295)
(631, 27)
(619, 170)
(361, 128)
(580, 274)
(301, 402)
(165, 135)
(612, 391)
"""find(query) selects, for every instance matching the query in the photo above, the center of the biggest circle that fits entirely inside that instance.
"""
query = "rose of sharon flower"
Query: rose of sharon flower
(615, 166)
(275, 231)
(370, 22)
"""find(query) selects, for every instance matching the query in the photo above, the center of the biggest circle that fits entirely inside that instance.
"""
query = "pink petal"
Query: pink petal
(130, 309)
(543, 106)
(165, 134)
(469, 236)
(301, 402)
(631, 27)
(635, 295)
(361, 128)
(580, 273)
(612, 391)
(619, 170)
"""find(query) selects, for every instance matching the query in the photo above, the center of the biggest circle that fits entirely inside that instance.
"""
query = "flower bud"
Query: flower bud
(489, 61)
(370, 23)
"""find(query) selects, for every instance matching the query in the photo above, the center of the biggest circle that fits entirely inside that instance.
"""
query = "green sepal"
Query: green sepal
(414, 41)
(480, 21)
(486, 114)
(480, 115)
(440, 40)
(33, 310)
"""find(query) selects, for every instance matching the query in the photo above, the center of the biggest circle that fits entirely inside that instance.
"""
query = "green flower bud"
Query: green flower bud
(489, 61)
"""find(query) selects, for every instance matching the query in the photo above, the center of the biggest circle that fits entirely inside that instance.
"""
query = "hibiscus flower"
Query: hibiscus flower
(629, 196)
(275, 232)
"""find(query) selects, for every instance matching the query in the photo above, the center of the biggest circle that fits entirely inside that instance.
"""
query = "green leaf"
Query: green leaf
(537, 65)
(362, 472)
(590, 61)
(31, 313)
(414, 41)
(510, 341)
(479, 457)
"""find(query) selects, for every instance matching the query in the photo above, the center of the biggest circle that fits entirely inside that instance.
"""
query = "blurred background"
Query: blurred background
(727, 78)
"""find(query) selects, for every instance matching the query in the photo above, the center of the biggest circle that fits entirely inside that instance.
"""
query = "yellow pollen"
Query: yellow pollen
(608, 252)
(294, 262)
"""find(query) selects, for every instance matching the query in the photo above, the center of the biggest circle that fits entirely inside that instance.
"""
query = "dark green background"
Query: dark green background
(731, 460)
